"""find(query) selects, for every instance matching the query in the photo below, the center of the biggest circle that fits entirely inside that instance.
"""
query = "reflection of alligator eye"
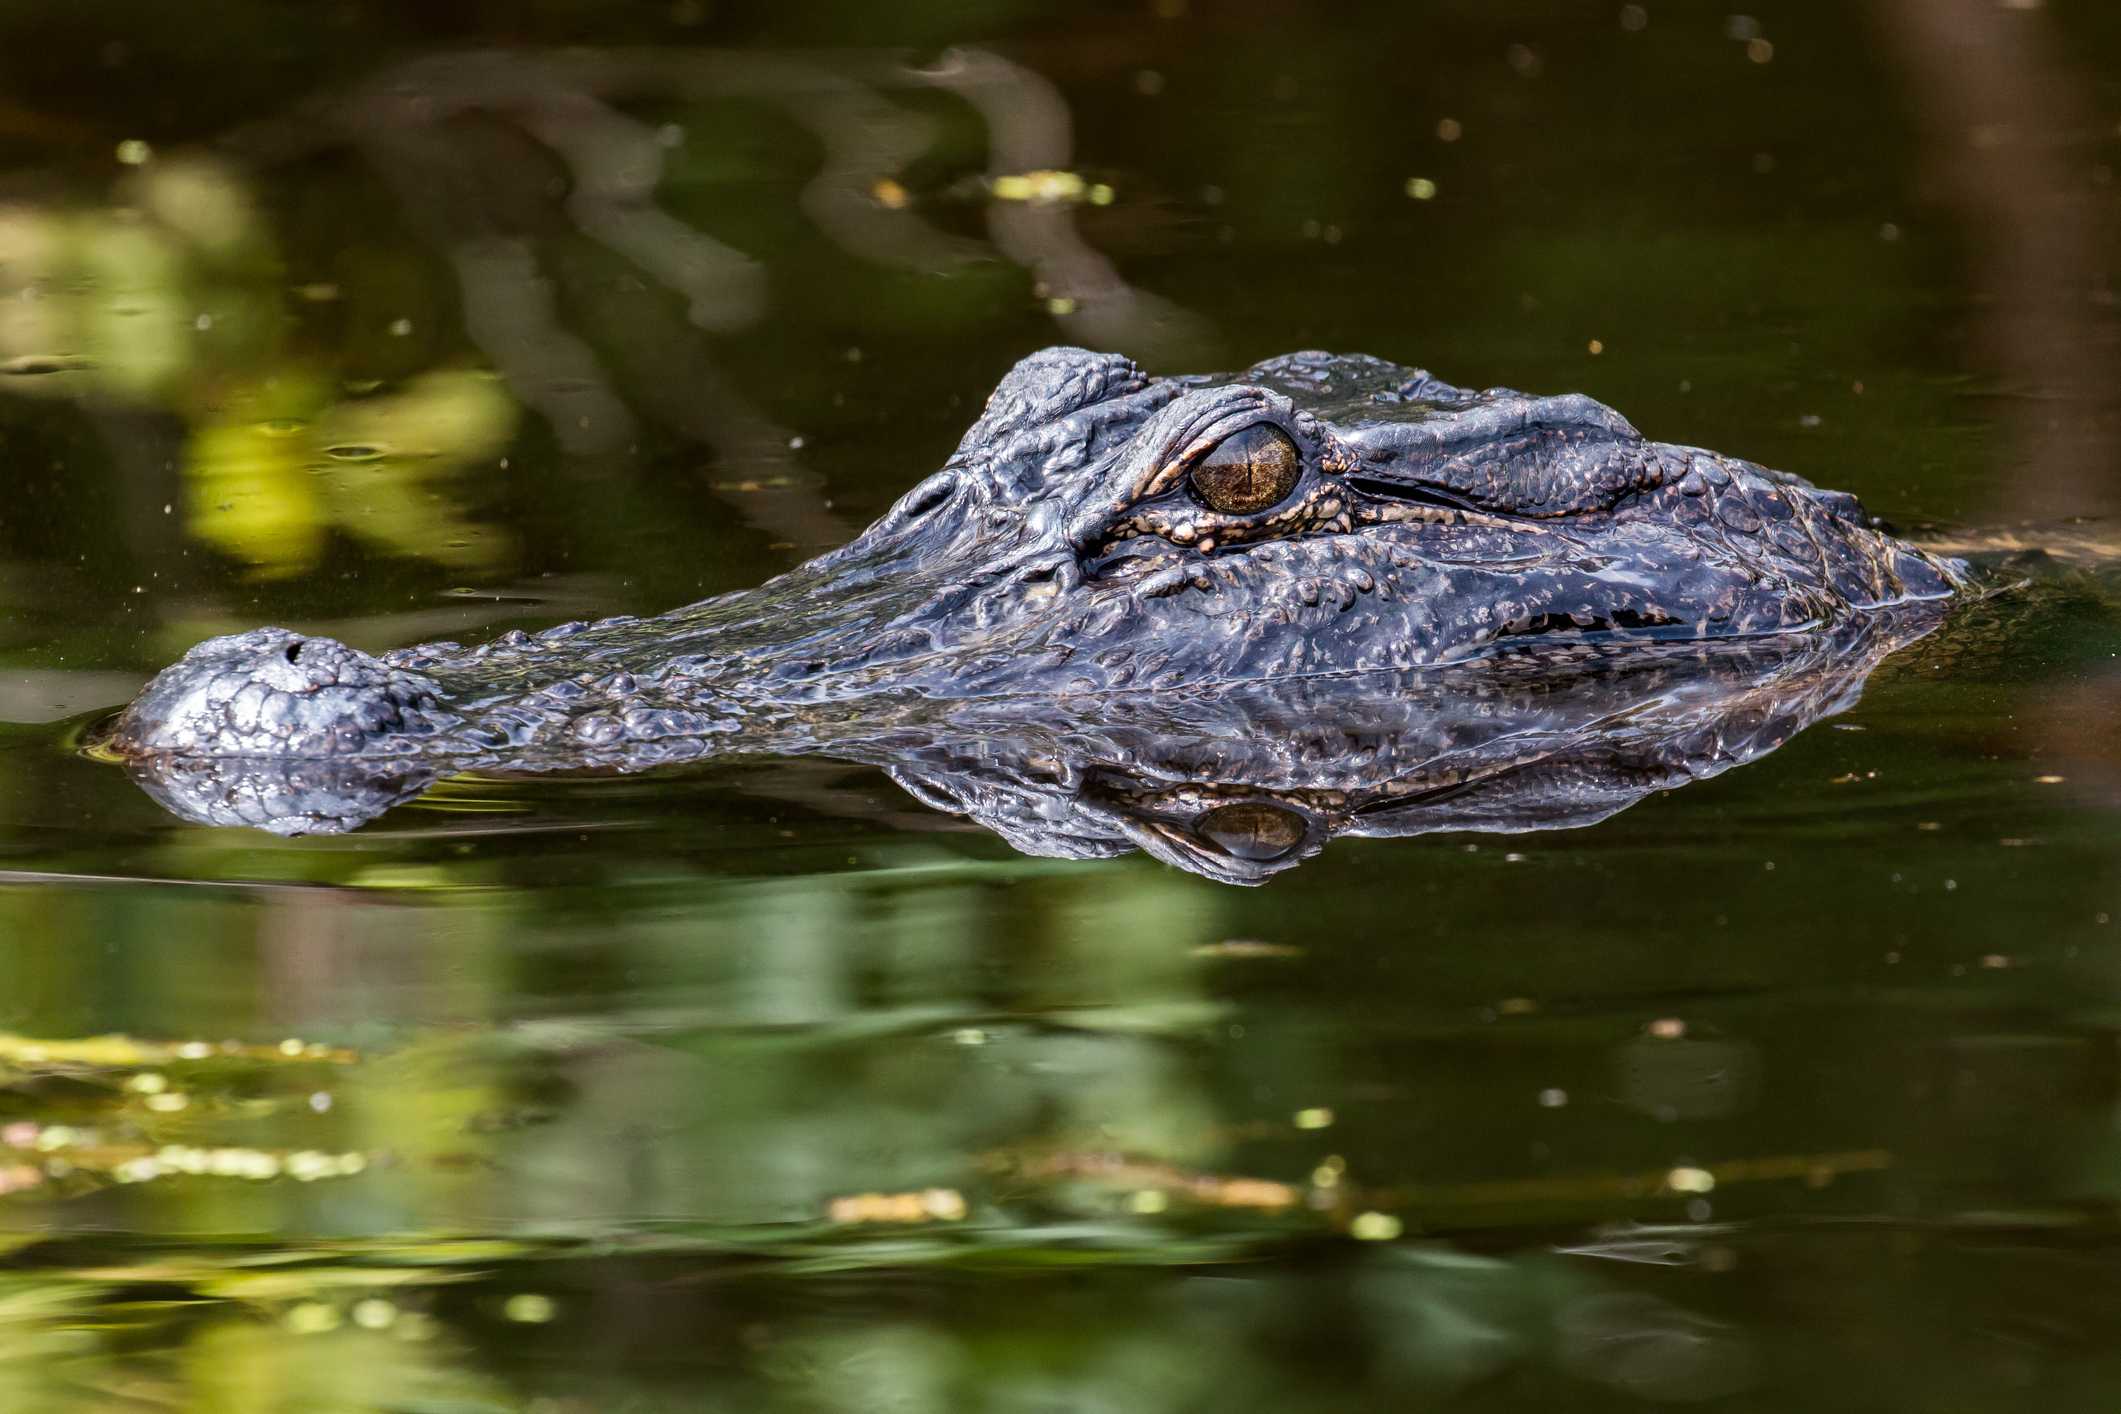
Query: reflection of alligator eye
(1251, 831)
(1248, 471)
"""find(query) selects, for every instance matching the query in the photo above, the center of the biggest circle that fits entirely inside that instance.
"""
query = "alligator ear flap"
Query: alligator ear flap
(1506, 452)
(1051, 384)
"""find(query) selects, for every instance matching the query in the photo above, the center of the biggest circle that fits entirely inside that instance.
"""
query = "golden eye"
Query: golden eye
(1252, 830)
(1248, 471)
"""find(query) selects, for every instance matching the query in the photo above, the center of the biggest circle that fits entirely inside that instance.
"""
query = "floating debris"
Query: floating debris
(1246, 948)
(1046, 186)
(31, 365)
(1212, 1190)
(925, 1205)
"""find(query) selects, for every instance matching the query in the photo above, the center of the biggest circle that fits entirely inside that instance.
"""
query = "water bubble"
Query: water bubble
(529, 1308)
(312, 1318)
(1375, 1227)
(374, 1313)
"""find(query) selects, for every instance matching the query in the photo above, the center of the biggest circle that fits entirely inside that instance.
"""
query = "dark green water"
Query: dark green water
(761, 1086)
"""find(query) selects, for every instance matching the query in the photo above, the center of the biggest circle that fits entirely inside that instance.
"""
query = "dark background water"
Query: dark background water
(758, 1085)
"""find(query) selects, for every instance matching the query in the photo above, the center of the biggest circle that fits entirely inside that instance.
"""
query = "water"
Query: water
(760, 1085)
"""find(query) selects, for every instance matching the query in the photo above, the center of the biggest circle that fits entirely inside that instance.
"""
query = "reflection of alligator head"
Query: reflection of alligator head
(1100, 539)
(1241, 783)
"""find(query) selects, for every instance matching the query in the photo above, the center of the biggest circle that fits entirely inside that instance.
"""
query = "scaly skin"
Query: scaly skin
(1062, 556)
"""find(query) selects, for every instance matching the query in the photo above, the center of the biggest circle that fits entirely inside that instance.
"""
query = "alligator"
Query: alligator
(1335, 530)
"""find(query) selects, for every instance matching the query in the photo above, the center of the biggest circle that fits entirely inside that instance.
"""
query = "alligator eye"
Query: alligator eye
(1250, 830)
(1248, 471)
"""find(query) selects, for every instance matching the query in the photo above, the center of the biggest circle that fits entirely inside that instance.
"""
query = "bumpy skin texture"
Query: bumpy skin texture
(1062, 556)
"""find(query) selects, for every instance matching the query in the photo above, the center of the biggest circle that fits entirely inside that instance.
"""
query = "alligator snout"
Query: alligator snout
(272, 692)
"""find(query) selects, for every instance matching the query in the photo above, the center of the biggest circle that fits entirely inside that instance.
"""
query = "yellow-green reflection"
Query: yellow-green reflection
(286, 466)
(170, 299)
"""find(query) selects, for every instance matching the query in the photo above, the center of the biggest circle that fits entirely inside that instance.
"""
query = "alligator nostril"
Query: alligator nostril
(293, 652)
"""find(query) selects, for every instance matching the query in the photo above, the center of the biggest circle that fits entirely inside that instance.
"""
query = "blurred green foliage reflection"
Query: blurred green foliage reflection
(758, 1085)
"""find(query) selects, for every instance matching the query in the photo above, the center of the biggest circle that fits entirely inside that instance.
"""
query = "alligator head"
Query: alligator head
(1097, 532)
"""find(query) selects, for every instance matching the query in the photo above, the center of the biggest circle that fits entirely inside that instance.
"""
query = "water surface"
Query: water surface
(760, 1085)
